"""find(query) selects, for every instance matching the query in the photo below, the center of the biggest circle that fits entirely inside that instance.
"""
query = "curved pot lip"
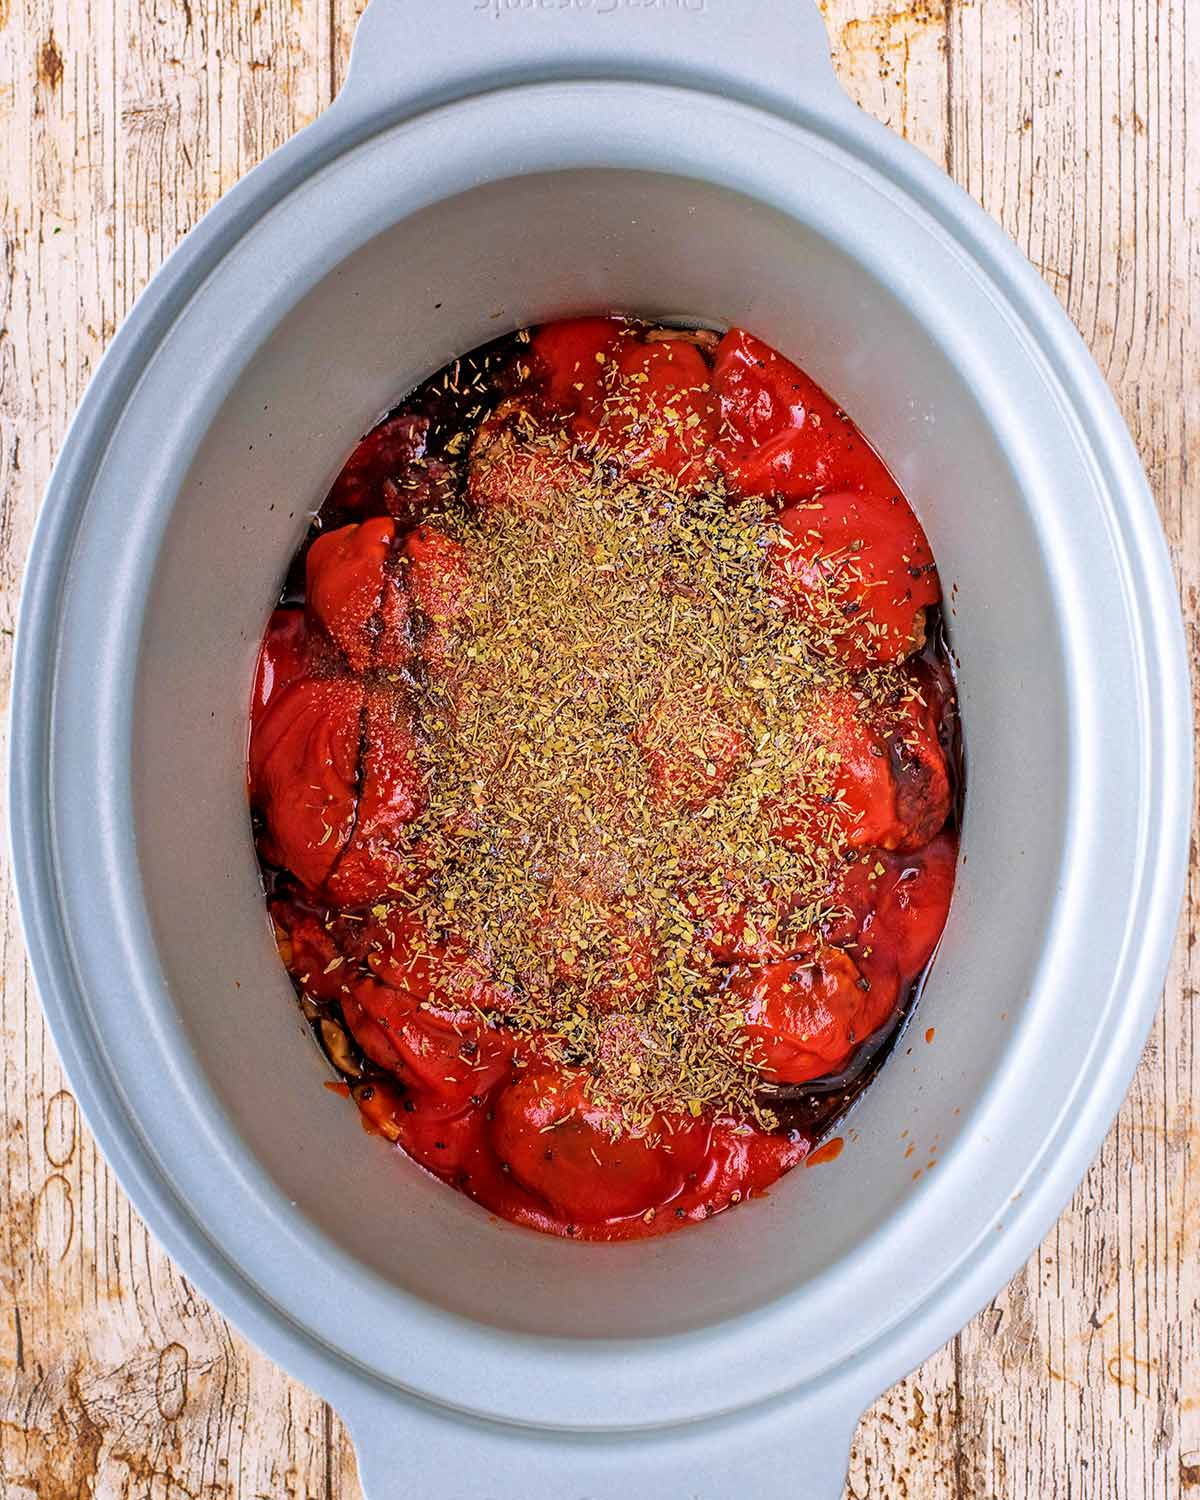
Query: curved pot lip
(1150, 599)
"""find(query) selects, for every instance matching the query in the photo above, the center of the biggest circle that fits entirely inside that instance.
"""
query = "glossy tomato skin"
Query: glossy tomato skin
(354, 595)
(283, 658)
(571, 357)
(304, 752)
(891, 909)
(560, 1145)
(846, 524)
(924, 795)
(401, 954)
(911, 913)
(806, 1017)
(869, 556)
(781, 435)
(733, 936)
(447, 1057)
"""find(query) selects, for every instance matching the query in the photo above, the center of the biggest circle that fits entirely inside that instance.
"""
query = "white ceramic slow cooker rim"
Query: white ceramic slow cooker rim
(1134, 528)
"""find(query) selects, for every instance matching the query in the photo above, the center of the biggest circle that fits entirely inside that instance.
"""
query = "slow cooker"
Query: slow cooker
(492, 163)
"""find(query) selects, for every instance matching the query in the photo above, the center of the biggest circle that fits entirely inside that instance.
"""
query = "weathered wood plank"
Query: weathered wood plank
(1070, 125)
(121, 125)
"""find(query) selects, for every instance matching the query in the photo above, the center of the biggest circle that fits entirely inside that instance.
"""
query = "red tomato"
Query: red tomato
(308, 950)
(304, 753)
(507, 474)
(870, 785)
(761, 393)
(446, 1056)
(400, 952)
(912, 911)
(283, 658)
(378, 854)
(847, 794)
(355, 596)
(560, 1145)
(860, 567)
(892, 908)
(585, 936)
(391, 471)
(781, 434)
(658, 413)
(564, 354)
(435, 568)
(691, 749)
(912, 903)
(806, 1017)
(404, 955)
(733, 935)
(922, 778)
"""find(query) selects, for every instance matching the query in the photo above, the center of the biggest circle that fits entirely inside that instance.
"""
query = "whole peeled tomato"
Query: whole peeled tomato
(568, 1150)
(571, 356)
(890, 909)
(402, 953)
(781, 435)
(875, 780)
(378, 855)
(692, 747)
(304, 756)
(510, 474)
(858, 570)
(806, 1017)
(283, 658)
(447, 1057)
(353, 593)
(578, 935)
(736, 931)
(435, 571)
(658, 413)
(912, 903)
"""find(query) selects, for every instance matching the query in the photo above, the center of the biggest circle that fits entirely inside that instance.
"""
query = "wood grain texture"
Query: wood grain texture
(120, 124)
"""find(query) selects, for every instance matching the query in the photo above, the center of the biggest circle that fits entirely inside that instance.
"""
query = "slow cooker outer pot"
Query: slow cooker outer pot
(686, 158)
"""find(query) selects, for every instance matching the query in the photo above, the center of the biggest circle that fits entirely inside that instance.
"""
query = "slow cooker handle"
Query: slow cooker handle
(786, 1450)
(413, 54)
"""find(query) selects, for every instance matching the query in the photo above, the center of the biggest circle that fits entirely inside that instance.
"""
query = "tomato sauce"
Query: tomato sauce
(380, 645)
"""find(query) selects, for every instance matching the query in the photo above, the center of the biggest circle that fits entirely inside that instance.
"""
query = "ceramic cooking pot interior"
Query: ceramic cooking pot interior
(440, 282)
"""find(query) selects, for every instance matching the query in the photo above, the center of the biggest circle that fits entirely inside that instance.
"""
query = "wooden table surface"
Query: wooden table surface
(1069, 120)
